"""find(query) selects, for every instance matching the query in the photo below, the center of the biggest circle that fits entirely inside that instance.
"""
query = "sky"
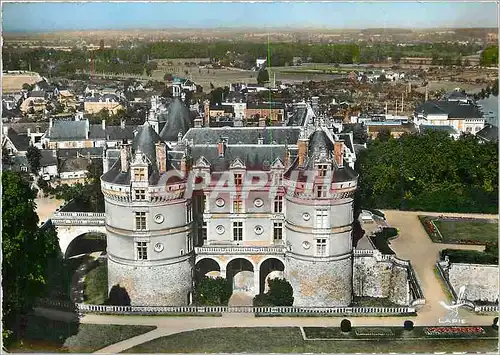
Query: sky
(48, 17)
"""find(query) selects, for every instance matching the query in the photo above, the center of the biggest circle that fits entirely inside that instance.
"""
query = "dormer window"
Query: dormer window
(238, 179)
(321, 191)
(322, 169)
(140, 174)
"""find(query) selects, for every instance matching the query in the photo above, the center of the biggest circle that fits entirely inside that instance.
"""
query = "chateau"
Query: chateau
(244, 203)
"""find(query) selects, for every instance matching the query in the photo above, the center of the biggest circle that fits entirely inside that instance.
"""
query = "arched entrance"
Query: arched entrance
(86, 243)
(240, 273)
(270, 269)
(207, 267)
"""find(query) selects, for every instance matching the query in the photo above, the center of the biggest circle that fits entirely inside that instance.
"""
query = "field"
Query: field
(459, 232)
(290, 340)
(14, 82)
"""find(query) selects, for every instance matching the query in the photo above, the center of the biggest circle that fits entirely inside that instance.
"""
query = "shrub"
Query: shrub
(213, 292)
(96, 285)
(380, 240)
(408, 325)
(261, 300)
(345, 325)
(280, 292)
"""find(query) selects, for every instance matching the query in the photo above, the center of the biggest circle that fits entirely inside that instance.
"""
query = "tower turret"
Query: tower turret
(318, 221)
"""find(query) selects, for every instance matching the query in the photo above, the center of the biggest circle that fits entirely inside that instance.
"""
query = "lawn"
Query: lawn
(96, 285)
(462, 231)
(48, 336)
(289, 340)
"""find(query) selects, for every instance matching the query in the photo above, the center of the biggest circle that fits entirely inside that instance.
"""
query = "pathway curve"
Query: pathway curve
(414, 244)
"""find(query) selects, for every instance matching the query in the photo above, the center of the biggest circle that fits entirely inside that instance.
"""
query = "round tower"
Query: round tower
(148, 225)
(318, 221)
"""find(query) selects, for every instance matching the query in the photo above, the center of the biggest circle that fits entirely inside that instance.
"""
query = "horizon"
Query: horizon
(154, 16)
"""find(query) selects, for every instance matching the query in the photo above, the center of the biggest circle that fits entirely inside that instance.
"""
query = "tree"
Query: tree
(26, 250)
(263, 77)
(280, 292)
(384, 135)
(27, 87)
(93, 185)
(33, 155)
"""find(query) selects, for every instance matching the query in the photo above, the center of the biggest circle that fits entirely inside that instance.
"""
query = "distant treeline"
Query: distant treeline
(137, 59)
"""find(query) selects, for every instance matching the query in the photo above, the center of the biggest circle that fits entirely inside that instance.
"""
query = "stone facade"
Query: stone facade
(481, 281)
(169, 284)
(320, 283)
(381, 279)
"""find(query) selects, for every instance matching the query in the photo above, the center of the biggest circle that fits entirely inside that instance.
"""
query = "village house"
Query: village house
(96, 103)
(463, 117)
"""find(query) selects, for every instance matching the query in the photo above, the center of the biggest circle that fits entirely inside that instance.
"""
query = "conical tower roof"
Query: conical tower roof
(145, 142)
(178, 120)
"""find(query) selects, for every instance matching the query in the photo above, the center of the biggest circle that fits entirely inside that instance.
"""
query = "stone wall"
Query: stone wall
(381, 279)
(153, 285)
(320, 283)
(481, 281)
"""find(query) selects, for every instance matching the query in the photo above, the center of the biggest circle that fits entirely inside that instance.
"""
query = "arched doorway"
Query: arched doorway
(207, 267)
(240, 272)
(270, 269)
(86, 243)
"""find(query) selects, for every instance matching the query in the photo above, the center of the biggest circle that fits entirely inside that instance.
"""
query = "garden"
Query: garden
(381, 240)
(344, 339)
(460, 230)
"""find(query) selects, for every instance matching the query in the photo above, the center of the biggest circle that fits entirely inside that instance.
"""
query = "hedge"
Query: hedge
(469, 256)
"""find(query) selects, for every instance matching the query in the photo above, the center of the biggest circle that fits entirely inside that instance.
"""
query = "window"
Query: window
(321, 246)
(321, 219)
(189, 214)
(278, 204)
(204, 230)
(140, 194)
(142, 250)
(238, 179)
(189, 243)
(140, 221)
(322, 169)
(278, 231)
(139, 174)
(278, 179)
(320, 191)
(237, 204)
(237, 231)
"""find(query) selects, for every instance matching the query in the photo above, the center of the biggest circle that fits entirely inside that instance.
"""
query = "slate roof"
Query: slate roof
(298, 117)
(117, 133)
(68, 130)
(22, 128)
(489, 133)
(178, 119)
(255, 157)
(73, 164)
(47, 158)
(244, 135)
(20, 141)
(453, 109)
(72, 152)
(455, 95)
(267, 105)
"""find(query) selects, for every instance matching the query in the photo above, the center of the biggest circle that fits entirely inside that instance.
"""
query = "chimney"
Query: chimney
(50, 122)
(122, 124)
(179, 137)
(29, 132)
(426, 93)
(125, 154)
(221, 148)
(87, 129)
(260, 140)
(103, 125)
(54, 153)
(338, 152)
(185, 166)
(315, 104)
(262, 121)
(302, 146)
(287, 158)
(197, 122)
(161, 157)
